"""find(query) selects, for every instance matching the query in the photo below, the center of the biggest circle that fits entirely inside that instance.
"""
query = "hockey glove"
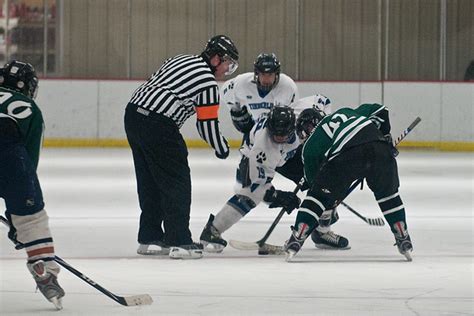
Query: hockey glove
(388, 139)
(288, 200)
(225, 153)
(244, 172)
(242, 119)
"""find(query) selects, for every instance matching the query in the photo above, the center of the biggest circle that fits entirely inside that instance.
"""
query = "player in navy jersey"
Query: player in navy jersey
(21, 133)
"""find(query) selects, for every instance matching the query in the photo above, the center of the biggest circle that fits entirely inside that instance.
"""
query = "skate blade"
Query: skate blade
(289, 256)
(408, 256)
(327, 247)
(57, 303)
(154, 252)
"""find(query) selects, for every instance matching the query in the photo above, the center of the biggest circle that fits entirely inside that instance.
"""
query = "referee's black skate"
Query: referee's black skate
(403, 240)
(211, 238)
(153, 248)
(188, 251)
(329, 240)
(45, 274)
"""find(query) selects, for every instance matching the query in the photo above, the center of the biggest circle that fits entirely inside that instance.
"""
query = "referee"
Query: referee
(183, 86)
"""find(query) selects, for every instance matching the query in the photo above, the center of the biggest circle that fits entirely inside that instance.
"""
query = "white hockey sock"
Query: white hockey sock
(33, 231)
(226, 217)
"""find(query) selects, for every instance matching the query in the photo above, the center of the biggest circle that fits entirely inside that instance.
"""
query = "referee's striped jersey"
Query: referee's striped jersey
(185, 85)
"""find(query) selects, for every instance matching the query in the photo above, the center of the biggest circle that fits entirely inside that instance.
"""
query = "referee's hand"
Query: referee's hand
(223, 155)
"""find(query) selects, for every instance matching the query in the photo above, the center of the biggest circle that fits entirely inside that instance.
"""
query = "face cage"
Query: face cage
(282, 139)
(266, 88)
(34, 94)
(306, 131)
(233, 64)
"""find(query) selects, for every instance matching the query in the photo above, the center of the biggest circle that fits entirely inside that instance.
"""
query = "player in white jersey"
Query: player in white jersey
(322, 237)
(249, 95)
(293, 169)
(271, 143)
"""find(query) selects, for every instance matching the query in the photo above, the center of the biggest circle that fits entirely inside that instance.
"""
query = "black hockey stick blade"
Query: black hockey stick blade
(143, 299)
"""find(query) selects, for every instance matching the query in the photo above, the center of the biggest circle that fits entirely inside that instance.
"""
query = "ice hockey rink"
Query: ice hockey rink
(90, 195)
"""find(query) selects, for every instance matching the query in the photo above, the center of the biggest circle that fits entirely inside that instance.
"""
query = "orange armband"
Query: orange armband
(207, 112)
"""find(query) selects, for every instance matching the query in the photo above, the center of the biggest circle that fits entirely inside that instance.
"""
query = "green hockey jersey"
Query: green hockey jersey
(341, 130)
(24, 111)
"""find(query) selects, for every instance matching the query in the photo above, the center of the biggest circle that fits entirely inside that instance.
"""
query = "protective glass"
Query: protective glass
(233, 65)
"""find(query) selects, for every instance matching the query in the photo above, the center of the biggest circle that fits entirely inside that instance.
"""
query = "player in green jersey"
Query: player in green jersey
(21, 132)
(341, 148)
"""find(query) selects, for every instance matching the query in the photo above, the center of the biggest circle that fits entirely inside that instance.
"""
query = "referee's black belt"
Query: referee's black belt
(152, 115)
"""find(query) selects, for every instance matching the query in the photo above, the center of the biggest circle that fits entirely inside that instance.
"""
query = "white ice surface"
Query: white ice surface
(90, 196)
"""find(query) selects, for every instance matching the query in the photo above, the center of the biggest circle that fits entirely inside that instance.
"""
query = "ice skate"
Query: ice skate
(190, 251)
(45, 274)
(329, 240)
(154, 248)
(293, 245)
(403, 240)
(211, 238)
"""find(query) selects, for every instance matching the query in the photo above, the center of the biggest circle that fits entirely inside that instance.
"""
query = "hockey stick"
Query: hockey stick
(379, 221)
(371, 221)
(261, 245)
(143, 299)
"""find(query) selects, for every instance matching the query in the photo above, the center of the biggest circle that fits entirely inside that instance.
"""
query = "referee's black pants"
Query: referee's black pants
(163, 176)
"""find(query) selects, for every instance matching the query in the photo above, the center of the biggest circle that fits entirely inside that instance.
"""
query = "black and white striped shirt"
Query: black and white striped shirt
(185, 85)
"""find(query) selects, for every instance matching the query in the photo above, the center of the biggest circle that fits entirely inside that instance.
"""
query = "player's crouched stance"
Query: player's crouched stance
(21, 129)
(346, 146)
(271, 142)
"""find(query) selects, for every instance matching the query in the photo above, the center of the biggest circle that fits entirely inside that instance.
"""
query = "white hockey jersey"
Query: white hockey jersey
(242, 91)
(264, 154)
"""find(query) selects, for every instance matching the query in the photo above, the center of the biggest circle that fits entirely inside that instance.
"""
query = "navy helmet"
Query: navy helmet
(307, 122)
(266, 63)
(281, 123)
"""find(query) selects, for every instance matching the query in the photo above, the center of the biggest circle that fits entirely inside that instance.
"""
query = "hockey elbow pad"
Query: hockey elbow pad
(242, 119)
